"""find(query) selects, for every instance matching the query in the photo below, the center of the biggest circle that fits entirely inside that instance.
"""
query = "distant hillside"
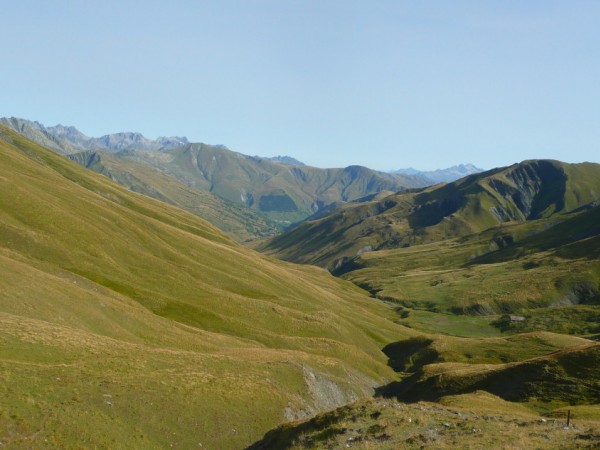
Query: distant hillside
(67, 140)
(547, 271)
(443, 175)
(522, 192)
(238, 221)
(283, 193)
(40, 134)
(279, 191)
(522, 241)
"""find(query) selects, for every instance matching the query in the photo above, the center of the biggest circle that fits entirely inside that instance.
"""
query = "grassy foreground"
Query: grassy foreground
(128, 323)
(474, 421)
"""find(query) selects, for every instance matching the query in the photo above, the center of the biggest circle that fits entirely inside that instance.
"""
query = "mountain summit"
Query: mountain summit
(443, 175)
(68, 139)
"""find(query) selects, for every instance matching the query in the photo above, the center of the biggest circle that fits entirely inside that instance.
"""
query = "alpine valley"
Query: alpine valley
(369, 310)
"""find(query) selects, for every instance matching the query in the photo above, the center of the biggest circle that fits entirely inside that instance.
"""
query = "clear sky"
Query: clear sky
(386, 84)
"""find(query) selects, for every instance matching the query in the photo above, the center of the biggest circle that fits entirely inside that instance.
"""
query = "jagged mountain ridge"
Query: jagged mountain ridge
(443, 175)
(68, 139)
(287, 160)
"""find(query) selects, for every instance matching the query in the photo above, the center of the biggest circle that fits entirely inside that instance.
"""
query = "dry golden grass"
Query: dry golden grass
(388, 424)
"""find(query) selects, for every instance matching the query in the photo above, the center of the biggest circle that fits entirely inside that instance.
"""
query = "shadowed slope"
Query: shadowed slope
(522, 192)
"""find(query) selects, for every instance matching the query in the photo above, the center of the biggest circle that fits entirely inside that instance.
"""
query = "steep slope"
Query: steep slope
(125, 322)
(282, 192)
(38, 133)
(523, 192)
(238, 221)
(280, 188)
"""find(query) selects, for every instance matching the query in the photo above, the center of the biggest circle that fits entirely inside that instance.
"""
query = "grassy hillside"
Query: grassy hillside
(284, 193)
(253, 197)
(532, 251)
(238, 221)
(474, 399)
(547, 272)
(532, 190)
(126, 322)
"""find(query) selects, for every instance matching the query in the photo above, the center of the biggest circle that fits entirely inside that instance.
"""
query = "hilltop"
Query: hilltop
(443, 175)
(472, 421)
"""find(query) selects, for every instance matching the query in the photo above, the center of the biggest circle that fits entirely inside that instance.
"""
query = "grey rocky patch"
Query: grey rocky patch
(68, 139)
(324, 392)
(578, 293)
(364, 249)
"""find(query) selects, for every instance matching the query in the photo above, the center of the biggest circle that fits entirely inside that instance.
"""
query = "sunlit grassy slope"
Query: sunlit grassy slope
(240, 222)
(125, 322)
(544, 263)
(285, 194)
(522, 268)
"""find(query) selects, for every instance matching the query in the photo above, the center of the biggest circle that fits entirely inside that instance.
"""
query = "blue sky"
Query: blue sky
(386, 84)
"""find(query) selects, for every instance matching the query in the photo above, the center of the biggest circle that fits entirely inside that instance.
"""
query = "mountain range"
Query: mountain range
(442, 175)
(260, 195)
(522, 192)
(287, 160)
(67, 140)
